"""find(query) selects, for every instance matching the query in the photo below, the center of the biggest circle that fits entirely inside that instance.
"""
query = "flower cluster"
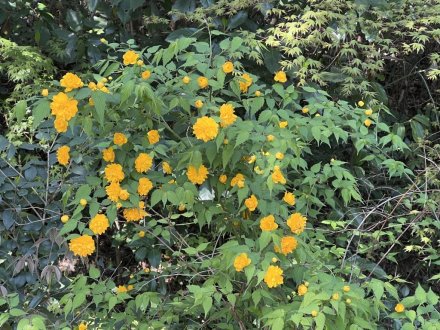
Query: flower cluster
(64, 108)
(82, 246)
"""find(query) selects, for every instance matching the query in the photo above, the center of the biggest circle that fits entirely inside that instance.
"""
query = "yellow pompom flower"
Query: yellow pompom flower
(136, 213)
(144, 186)
(280, 76)
(71, 81)
(82, 326)
(241, 261)
(63, 155)
(119, 139)
(205, 129)
(257, 93)
(197, 176)
(277, 176)
(121, 289)
(367, 122)
(166, 168)
(186, 80)
(130, 57)
(223, 178)
(198, 104)
(228, 67)
(251, 203)
(314, 313)
(274, 276)
(45, 92)
(61, 125)
(335, 296)
(238, 180)
(114, 173)
(227, 115)
(288, 244)
(305, 110)
(65, 218)
(63, 106)
(141, 234)
(203, 82)
(348, 301)
(361, 103)
(124, 194)
(146, 74)
(399, 308)
(297, 223)
(153, 136)
(82, 246)
(289, 198)
(92, 86)
(302, 290)
(270, 138)
(368, 112)
(143, 163)
(140, 62)
(113, 191)
(245, 82)
(283, 124)
(108, 155)
(99, 224)
(346, 288)
(268, 223)
(83, 202)
(279, 155)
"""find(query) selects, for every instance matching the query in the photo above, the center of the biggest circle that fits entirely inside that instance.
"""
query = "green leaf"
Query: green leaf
(16, 312)
(207, 304)
(94, 272)
(320, 321)
(19, 110)
(68, 226)
(99, 99)
(40, 112)
(241, 138)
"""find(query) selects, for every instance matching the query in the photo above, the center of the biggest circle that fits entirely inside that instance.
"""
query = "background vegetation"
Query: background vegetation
(360, 152)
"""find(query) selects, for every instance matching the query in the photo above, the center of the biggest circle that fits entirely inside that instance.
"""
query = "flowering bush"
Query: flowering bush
(192, 193)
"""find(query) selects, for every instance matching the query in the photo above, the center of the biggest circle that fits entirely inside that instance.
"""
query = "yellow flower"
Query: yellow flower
(346, 288)
(257, 93)
(114, 173)
(60, 125)
(270, 138)
(279, 155)
(302, 290)
(361, 103)
(182, 207)
(62, 106)
(146, 74)
(258, 170)
(65, 218)
(399, 308)
(113, 191)
(99, 224)
(368, 112)
(63, 155)
(205, 129)
(197, 176)
(82, 326)
(124, 194)
(143, 163)
(227, 115)
(166, 168)
(314, 313)
(283, 124)
(277, 176)
(305, 110)
(268, 223)
(335, 296)
(108, 155)
(288, 244)
(297, 223)
(251, 159)
(228, 67)
(100, 85)
(251, 203)
(71, 81)
(119, 139)
(280, 76)
(238, 180)
(130, 287)
(348, 301)
(91, 102)
(136, 213)
(223, 178)
(153, 136)
(225, 141)
(144, 186)
(289, 198)
(274, 276)
(245, 82)
(241, 261)
(45, 92)
(367, 122)
(186, 80)
(141, 234)
(92, 86)
(317, 115)
(83, 202)
(274, 259)
(121, 289)
(130, 57)
(202, 82)
(140, 62)
(82, 246)
(198, 104)
(104, 41)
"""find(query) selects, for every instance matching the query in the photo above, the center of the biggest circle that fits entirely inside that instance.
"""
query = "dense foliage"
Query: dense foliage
(219, 165)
